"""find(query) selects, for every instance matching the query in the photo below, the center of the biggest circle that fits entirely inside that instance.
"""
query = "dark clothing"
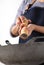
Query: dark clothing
(36, 14)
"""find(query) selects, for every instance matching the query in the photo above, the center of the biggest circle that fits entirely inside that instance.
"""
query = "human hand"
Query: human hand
(24, 23)
(26, 31)
(31, 28)
(18, 21)
(25, 20)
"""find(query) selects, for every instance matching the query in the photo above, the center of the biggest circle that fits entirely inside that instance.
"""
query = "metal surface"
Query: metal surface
(31, 53)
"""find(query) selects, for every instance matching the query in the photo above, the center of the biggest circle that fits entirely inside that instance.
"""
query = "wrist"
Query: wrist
(34, 26)
(31, 27)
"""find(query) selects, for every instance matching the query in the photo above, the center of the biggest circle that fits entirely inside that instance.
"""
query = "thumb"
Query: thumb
(29, 21)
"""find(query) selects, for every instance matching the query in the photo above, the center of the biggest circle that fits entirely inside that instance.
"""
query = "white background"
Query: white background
(8, 11)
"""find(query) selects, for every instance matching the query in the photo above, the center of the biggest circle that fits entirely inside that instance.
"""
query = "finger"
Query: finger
(18, 21)
(23, 18)
(23, 25)
(29, 21)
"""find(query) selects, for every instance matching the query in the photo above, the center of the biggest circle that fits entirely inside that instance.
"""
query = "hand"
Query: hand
(27, 30)
(18, 21)
(31, 28)
(14, 30)
(24, 19)
(21, 26)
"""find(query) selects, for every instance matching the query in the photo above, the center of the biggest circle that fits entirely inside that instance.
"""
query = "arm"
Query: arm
(39, 28)
(33, 27)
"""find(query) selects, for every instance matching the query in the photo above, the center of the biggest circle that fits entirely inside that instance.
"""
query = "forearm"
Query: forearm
(39, 28)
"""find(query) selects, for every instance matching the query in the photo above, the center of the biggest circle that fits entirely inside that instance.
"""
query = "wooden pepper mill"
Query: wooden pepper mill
(24, 30)
(24, 33)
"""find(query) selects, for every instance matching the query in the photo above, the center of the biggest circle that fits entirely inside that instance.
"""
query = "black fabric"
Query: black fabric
(36, 14)
(42, 64)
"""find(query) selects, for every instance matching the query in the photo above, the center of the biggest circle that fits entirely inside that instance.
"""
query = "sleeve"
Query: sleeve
(21, 9)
